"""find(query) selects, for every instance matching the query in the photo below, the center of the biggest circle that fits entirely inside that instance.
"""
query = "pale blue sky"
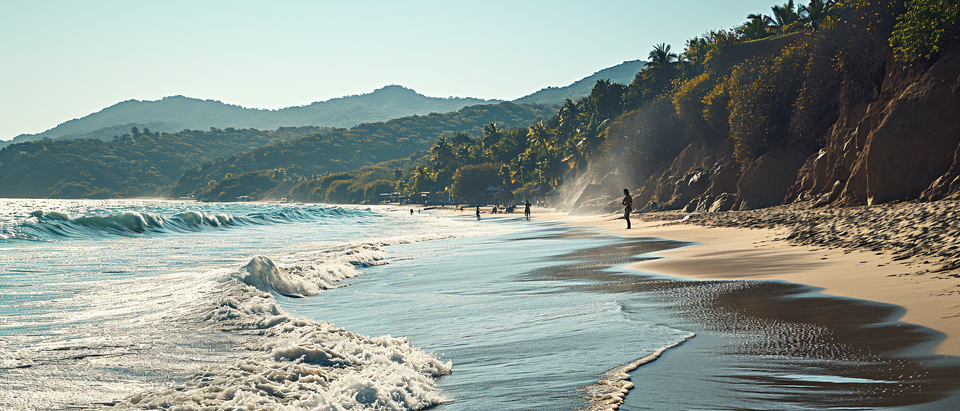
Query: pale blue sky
(67, 59)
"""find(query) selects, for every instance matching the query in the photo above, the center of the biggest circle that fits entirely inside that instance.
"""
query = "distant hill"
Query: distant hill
(622, 73)
(176, 113)
(155, 163)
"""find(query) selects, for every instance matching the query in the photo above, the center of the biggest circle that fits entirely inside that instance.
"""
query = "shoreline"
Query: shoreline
(785, 331)
(929, 299)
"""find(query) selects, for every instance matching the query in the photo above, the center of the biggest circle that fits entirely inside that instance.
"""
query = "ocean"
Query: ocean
(179, 305)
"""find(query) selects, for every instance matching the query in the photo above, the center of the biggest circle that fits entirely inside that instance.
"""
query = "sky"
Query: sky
(66, 59)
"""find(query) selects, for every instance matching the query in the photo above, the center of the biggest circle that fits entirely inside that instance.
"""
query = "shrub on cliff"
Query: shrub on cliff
(926, 29)
(689, 103)
(762, 93)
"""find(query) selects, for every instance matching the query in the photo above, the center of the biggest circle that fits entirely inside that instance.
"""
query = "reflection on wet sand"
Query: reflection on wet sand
(766, 343)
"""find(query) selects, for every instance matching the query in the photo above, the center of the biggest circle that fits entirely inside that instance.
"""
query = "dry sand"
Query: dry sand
(905, 254)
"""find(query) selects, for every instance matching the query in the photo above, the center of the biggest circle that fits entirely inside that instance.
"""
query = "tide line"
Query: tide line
(608, 393)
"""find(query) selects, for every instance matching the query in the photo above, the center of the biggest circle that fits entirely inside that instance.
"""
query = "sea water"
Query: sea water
(185, 305)
(179, 305)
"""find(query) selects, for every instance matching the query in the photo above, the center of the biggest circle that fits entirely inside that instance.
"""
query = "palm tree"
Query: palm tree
(784, 15)
(661, 56)
(419, 176)
(539, 136)
(591, 136)
(401, 187)
(491, 135)
(459, 138)
(567, 120)
(816, 12)
(505, 174)
(549, 169)
(755, 27)
(441, 153)
(463, 155)
(661, 68)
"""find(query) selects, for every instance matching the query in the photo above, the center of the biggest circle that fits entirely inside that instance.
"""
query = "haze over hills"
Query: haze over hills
(176, 113)
(622, 73)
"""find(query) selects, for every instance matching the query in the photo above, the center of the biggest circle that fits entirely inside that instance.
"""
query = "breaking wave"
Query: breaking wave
(296, 363)
(47, 225)
(219, 340)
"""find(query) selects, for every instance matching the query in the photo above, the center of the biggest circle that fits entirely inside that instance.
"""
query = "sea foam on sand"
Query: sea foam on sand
(200, 341)
(294, 363)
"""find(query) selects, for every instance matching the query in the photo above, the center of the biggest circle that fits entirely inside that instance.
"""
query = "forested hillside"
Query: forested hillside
(177, 113)
(350, 149)
(827, 103)
(131, 165)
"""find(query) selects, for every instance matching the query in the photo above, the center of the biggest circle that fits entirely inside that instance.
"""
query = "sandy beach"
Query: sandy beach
(895, 267)
(904, 254)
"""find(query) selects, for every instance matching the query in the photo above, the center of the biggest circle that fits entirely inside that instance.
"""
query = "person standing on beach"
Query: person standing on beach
(627, 206)
(478, 213)
(526, 209)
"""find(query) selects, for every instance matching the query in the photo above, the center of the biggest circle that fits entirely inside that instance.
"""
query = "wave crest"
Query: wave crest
(44, 225)
(309, 273)
(296, 363)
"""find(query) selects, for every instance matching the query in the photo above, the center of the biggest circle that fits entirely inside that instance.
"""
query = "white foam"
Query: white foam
(184, 340)
(308, 273)
(262, 273)
(303, 364)
(608, 393)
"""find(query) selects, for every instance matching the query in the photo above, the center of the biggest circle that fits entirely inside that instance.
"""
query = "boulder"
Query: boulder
(766, 181)
(723, 202)
(699, 204)
(723, 178)
(687, 188)
(947, 185)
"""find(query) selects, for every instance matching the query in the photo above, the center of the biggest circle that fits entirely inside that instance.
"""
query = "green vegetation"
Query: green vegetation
(926, 29)
(345, 150)
(132, 165)
(775, 81)
(772, 82)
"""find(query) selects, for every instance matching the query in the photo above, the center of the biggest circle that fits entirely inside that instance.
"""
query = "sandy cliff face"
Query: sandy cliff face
(899, 140)
(947, 186)
(899, 143)
(906, 138)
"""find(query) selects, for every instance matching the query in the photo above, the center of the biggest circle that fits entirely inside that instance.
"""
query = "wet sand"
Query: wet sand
(904, 254)
(892, 343)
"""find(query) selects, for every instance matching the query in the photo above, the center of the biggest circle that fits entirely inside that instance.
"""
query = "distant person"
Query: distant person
(627, 206)
(478, 213)
(493, 210)
(411, 211)
(526, 209)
